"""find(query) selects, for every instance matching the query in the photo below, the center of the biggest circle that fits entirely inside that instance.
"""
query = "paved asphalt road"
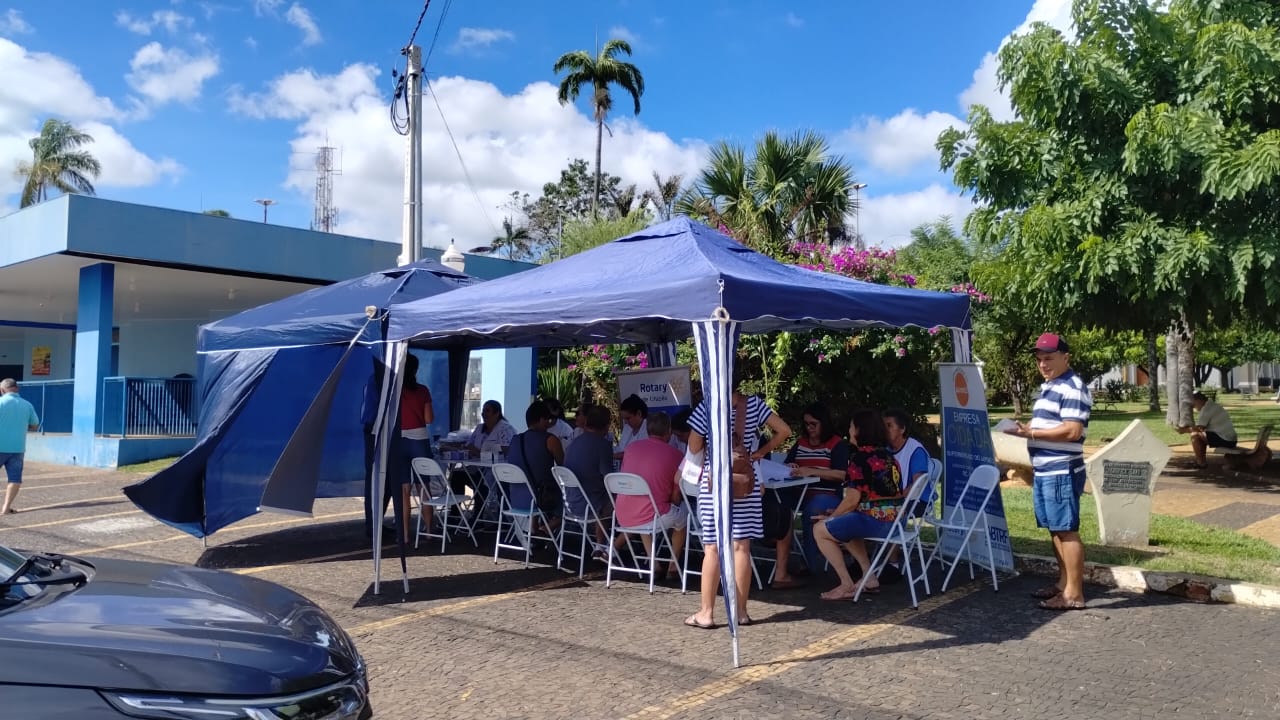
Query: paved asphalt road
(478, 640)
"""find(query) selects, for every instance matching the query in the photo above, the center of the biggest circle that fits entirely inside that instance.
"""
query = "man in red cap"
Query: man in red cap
(1055, 442)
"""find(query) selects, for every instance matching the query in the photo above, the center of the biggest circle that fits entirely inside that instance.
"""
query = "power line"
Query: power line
(435, 38)
(465, 172)
(418, 24)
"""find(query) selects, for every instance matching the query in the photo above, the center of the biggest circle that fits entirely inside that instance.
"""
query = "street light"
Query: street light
(857, 215)
(265, 203)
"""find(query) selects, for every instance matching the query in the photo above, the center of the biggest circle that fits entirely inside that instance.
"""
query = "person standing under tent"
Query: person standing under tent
(748, 415)
(416, 416)
(17, 416)
(1055, 438)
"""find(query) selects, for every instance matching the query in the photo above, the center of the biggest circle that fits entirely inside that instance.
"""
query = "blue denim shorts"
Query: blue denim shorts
(1056, 499)
(12, 464)
(853, 525)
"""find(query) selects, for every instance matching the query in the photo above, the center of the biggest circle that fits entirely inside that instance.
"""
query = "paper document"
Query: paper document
(1006, 425)
(771, 471)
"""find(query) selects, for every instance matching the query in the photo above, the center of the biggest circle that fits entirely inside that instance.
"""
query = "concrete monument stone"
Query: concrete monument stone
(1122, 476)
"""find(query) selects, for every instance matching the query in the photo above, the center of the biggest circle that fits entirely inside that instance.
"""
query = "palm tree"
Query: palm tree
(514, 238)
(57, 163)
(599, 73)
(664, 194)
(791, 189)
(624, 199)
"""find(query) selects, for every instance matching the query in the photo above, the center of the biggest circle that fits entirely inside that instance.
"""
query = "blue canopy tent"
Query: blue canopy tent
(268, 368)
(665, 283)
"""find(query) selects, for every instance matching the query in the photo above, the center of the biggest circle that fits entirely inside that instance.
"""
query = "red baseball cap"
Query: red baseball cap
(1049, 342)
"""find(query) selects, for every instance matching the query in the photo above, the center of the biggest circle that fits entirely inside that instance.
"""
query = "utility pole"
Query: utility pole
(265, 203)
(857, 216)
(411, 232)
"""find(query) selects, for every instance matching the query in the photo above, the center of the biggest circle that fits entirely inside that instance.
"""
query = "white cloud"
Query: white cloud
(11, 23)
(794, 20)
(509, 142)
(39, 86)
(165, 75)
(266, 7)
(251, 43)
(300, 18)
(985, 89)
(621, 32)
(887, 220)
(470, 38)
(901, 144)
(168, 19)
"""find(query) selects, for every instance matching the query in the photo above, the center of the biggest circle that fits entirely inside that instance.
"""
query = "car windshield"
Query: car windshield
(10, 561)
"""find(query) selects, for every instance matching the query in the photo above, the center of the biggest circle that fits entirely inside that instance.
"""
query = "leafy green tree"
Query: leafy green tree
(217, 213)
(790, 189)
(1228, 348)
(938, 257)
(561, 204)
(584, 234)
(599, 73)
(58, 163)
(1136, 186)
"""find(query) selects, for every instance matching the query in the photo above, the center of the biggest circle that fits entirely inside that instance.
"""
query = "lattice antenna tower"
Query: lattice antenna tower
(326, 214)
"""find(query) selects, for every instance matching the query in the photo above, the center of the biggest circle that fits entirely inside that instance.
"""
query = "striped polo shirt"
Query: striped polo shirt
(1063, 398)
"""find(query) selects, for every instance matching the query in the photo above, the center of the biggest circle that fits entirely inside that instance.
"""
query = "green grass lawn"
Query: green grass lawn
(1178, 545)
(150, 467)
(1105, 425)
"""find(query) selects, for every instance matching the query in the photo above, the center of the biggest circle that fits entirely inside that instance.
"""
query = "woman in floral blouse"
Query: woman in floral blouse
(872, 496)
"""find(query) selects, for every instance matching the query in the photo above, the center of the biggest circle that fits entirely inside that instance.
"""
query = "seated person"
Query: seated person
(872, 496)
(680, 430)
(590, 457)
(492, 430)
(820, 453)
(1214, 429)
(633, 411)
(653, 459)
(912, 458)
(536, 451)
(559, 427)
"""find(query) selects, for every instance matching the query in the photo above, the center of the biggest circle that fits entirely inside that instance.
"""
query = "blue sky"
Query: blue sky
(211, 104)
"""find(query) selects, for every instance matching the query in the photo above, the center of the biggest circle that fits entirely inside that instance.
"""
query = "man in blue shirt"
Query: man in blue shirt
(17, 416)
(1055, 442)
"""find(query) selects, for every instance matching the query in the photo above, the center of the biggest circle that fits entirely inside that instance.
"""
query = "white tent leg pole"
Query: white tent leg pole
(382, 428)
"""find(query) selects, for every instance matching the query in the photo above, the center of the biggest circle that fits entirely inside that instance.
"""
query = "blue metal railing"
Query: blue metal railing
(148, 406)
(53, 401)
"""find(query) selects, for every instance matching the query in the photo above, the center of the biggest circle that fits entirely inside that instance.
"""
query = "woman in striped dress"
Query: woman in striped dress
(748, 522)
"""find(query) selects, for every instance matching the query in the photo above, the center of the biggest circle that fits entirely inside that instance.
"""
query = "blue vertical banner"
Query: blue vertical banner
(966, 444)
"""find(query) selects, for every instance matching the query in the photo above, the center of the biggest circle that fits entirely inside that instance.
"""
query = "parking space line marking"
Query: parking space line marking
(251, 526)
(302, 561)
(67, 503)
(394, 585)
(68, 521)
(754, 674)
(28, 487)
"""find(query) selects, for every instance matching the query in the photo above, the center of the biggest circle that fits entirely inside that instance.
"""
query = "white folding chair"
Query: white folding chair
(524, 519)
(968, 515)
(932, 502)
(905, 534)
(443, 504)
(629, 484)
(690, 492)
(583, 523)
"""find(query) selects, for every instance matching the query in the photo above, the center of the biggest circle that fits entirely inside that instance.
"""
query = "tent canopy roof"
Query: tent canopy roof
(649, 286)
(330, 314)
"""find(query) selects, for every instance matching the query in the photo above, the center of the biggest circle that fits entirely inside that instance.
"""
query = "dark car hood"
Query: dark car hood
(145, 626)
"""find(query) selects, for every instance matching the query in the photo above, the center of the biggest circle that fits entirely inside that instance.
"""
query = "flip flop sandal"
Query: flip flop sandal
(746, 621)
(692, 622)
(1061, 604)
(786, 584)
(1048, 592)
